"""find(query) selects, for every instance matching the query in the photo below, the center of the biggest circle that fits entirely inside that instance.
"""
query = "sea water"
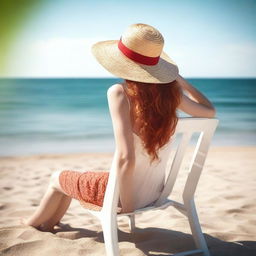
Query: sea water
(71, 115)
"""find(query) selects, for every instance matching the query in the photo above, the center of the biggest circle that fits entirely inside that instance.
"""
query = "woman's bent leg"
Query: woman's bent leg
(53, 205)
(59, 213)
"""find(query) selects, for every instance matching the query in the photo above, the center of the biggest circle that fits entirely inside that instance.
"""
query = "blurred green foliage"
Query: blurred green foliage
(13, 16)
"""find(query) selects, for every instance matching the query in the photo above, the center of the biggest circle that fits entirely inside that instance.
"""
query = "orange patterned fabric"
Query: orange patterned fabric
(88, 187)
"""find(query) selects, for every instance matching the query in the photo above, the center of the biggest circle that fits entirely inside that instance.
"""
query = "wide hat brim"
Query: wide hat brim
(112, 59)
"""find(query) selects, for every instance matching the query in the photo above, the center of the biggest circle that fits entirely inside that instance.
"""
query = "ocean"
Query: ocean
(40, 116)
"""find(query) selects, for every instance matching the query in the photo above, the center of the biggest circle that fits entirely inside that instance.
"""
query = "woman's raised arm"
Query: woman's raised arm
(196, 104)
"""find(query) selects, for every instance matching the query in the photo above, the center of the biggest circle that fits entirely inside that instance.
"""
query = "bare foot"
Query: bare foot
(42, 227)
(24, 221)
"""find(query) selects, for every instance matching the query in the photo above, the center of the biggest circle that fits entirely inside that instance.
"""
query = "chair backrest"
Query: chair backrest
(186, 127)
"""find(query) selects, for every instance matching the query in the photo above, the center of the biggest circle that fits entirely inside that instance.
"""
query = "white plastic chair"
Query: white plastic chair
(108, 214)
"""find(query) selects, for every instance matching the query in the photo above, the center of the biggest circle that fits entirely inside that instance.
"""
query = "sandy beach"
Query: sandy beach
(225, 200)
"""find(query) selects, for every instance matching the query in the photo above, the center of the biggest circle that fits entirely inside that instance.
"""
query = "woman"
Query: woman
(143, 111)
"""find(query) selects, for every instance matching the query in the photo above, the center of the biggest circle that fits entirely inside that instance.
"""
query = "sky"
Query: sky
(205, 38)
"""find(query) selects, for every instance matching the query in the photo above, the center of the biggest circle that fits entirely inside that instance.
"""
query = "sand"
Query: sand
(225, 200)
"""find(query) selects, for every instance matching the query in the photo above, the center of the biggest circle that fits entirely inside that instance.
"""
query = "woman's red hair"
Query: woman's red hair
(153, 109)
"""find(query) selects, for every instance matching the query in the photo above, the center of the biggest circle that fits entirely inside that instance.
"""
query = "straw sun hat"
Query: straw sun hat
(137, 56)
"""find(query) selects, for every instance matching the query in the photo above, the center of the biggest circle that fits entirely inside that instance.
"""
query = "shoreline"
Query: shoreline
(59, 155)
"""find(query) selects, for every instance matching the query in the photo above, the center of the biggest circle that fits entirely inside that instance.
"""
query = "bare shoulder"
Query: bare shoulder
(116, 90)
(117, 98)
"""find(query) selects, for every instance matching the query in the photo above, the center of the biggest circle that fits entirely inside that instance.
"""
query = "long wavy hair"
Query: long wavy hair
(153, 109)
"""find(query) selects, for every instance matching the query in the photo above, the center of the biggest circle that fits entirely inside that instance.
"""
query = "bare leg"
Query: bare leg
(57, 216)
(52, 207)
(47, 207)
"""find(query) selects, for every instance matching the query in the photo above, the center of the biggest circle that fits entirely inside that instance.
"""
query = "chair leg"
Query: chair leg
(132, 222)
(109, 228)
(196, 227)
